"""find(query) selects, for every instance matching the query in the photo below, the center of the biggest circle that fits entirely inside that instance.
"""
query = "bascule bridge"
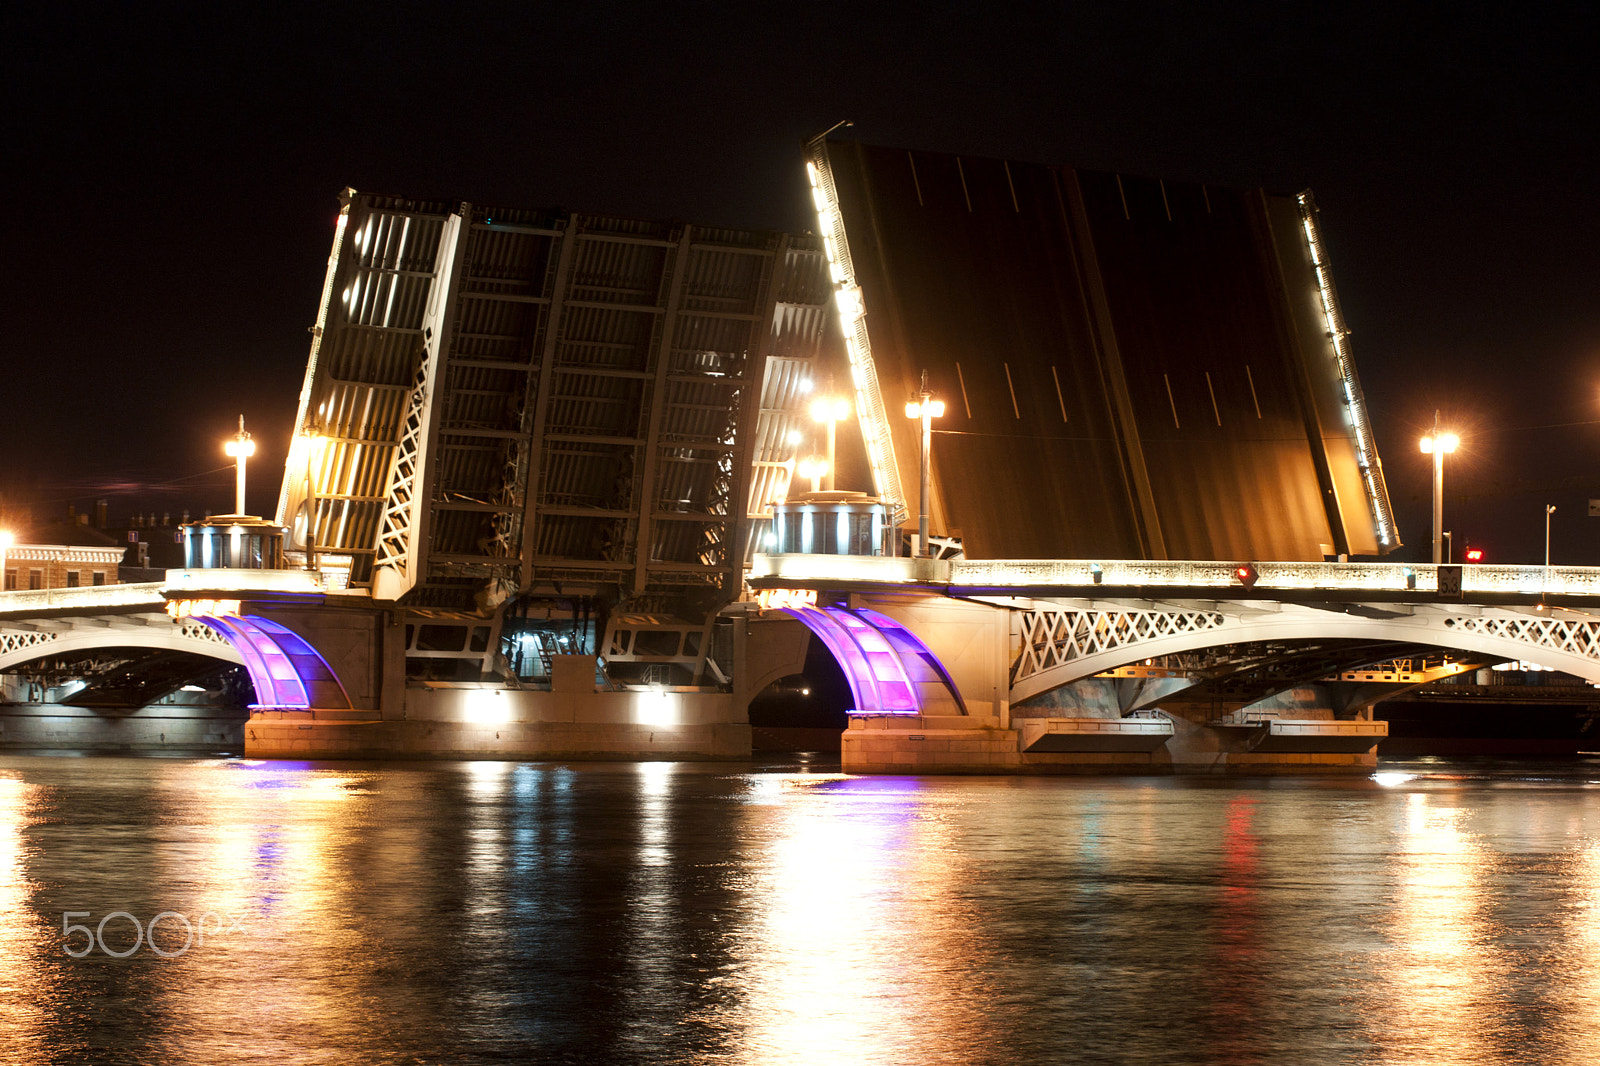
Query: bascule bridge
(545, 493)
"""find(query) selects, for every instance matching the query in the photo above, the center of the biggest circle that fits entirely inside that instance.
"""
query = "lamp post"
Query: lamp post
(6, 540)
(1549, 509)
(1438, 445)
(312, 442)
(926, 408)
(830, 412)
(241, 447)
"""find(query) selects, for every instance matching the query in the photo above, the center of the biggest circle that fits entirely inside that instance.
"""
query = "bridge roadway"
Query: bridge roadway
(955, 665)
(1192, 665)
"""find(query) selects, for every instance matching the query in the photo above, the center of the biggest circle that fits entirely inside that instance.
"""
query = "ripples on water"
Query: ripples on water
(503, 912)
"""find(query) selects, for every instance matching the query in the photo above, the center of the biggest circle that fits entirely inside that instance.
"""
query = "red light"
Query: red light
(1246, 575)
(1474, 555)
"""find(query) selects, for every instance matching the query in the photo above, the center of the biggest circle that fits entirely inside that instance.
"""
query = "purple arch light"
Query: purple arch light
(282, 666)
(873, 650)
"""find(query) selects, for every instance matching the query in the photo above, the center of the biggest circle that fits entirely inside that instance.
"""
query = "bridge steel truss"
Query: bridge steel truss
(506, 400)
(1059, 641)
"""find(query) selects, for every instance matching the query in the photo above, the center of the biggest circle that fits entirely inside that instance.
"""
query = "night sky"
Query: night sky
(172, 176)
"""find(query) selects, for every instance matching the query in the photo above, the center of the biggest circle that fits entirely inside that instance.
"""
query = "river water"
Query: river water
(691, 913)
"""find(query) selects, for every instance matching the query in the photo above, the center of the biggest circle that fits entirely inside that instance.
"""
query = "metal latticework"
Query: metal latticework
(12, 640)
(510, 400)
(1055, 635)
(1057, 642)
(1580, 637)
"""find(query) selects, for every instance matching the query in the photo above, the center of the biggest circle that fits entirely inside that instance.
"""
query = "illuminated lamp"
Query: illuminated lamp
(1473, 555)
(1246, 575)
(1410, 575)
(239, 447)
(926, 409)
(1439, 444)
(830, 412)
(1095, 573)
(813, 467)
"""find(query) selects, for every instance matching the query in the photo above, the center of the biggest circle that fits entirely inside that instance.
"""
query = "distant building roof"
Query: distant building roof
(70, 531)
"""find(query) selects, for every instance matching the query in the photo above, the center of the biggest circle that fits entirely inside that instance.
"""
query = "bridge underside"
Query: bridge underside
(1130, 368)
(125, 677)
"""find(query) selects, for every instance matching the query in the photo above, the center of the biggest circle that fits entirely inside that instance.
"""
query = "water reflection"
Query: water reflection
(1439, 964)
(859, 917)
(1579, 956)
(679, 913)
(1234, 982)
(23, 980)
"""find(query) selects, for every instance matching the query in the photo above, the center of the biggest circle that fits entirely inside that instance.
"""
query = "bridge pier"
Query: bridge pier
(388, 715)
(939, 745)
(153, 728)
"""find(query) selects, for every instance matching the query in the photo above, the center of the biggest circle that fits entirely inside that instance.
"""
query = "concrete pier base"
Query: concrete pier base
(948, 745)
(312, 738)
(157, 728)
(485, 721)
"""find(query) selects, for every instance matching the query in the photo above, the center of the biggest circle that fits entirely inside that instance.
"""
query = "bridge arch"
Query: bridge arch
(884, 663)
(1067, 643)
(284, 668)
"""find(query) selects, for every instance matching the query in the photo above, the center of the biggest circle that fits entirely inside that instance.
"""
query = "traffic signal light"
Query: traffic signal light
(1246, 575)
(1473, 555)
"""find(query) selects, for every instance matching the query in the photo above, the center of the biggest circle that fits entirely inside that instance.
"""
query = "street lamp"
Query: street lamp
(830, 413)
(814, 467)
(926, 408)
(312, 442)
(6, 540)
(241, 447)
(1438, 445)
(1549, 509)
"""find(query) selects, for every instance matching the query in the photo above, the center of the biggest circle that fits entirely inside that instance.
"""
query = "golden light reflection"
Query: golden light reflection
(656, 913)
(1580, 983)
(1442, 970)
(259, 869)
(860, 892)
(24, 997)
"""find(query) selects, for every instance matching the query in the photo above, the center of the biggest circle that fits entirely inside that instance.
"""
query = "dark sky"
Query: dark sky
(171, 176)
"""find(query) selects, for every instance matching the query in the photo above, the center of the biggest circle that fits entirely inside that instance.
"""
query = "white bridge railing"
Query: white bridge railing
(1088, 574)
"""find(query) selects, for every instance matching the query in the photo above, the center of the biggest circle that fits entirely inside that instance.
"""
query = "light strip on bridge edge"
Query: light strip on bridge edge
(848, 299)
(1371, 472)
(340, 226)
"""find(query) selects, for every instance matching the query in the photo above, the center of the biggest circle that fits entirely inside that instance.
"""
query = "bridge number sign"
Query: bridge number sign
(1449, 582)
